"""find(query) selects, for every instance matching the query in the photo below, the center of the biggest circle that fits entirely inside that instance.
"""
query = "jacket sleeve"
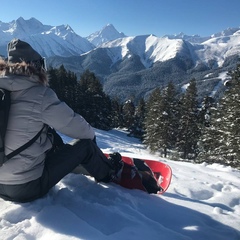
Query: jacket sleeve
(60, 116)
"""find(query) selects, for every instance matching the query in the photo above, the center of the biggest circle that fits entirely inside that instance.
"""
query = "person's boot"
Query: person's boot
(116, 160)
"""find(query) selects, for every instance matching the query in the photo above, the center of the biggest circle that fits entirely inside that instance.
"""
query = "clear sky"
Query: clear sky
(132, 17)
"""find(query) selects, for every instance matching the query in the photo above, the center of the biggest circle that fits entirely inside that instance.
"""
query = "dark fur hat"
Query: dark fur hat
(19, 51)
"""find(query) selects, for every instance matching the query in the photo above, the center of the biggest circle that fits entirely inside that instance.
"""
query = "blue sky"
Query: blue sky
(132, 17)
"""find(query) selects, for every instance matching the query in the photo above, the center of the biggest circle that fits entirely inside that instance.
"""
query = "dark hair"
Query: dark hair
(23, 69)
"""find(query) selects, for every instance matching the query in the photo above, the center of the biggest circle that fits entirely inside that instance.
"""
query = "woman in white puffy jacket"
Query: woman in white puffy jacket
(31, 173)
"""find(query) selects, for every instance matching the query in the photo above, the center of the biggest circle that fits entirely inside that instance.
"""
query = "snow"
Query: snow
(107, 33)
(224, 78)
(149, 47)
(202, 202)
(162, 49)
(47, 40)
(63, 41)
(218, 49)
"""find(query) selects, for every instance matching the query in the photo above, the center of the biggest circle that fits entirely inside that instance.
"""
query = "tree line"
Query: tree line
(170, 123)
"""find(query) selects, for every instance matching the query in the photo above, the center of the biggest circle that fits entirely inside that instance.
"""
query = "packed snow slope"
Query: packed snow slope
(202, 203)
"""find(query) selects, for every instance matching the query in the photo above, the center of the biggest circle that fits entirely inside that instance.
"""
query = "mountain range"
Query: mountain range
(133, 65)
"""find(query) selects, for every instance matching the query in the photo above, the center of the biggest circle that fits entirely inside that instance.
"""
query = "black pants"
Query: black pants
(57, 165)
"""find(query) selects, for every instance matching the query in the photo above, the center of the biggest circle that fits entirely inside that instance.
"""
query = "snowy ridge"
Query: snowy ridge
(63, 41)
(192, 39)
(47, 40)
(200, 39)
(202, 202)
(152, 49)
(149, 48)
(219, 48)
(226, 32)
(106, 34)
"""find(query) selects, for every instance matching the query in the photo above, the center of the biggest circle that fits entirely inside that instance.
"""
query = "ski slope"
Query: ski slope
(202, 203)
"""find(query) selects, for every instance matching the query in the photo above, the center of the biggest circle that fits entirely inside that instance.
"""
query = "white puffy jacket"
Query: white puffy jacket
(33, 105)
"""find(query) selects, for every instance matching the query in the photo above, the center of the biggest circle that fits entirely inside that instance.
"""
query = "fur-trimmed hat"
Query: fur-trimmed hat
(19, 51)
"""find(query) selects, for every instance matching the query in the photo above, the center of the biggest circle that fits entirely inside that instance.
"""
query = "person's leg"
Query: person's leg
(58, 165)
(65, 160)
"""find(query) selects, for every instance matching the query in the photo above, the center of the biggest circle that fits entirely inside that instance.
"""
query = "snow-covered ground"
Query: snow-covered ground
(202, 203)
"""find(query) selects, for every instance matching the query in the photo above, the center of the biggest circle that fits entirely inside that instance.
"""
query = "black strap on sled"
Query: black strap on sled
(148, 179)
(25, 146)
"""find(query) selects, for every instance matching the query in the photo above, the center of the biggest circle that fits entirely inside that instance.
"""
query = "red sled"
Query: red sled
(161, 172)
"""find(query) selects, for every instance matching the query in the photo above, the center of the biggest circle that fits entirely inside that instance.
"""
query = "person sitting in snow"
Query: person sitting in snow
(30, 173)
(34, 106)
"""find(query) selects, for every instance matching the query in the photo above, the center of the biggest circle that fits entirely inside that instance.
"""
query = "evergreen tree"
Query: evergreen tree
(161, 122)
(70, 94)
(117, 117)
(128, 111)
(211, 139)
(189, 131)
(172, 112)
(151, 123)
(204, 112)
(137, 129)
(220, 142)
(53, 81)
(64, 84)
(85, 97)
(93, 103)
(61, 75)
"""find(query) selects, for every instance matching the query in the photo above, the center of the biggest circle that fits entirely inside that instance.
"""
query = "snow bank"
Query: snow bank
(201, 203)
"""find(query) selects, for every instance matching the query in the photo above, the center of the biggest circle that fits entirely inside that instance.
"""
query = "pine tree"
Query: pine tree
(211, 139)
(137, 129)
(128, 111)
(171, 108)
(116, 113)
(151, 123)
(61, 74)
(93, 104)
(70, 89)
(189, 131)
(168, 119)
(64, 84)
(204, 111)
(220, 142)
(53, 82)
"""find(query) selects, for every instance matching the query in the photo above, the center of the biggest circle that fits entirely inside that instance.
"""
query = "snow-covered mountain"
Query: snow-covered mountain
(106, 34)
(226, 32)
(47, 40)
(63, 41)
(152, 49)
(145, 61)
(192, 39)
(218, 49)
(149, 48)
(200, 39)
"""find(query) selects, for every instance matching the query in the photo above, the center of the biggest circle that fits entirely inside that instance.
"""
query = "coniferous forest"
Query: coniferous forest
(172, 124)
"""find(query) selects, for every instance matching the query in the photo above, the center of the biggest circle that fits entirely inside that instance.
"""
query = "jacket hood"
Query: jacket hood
(16, 82)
